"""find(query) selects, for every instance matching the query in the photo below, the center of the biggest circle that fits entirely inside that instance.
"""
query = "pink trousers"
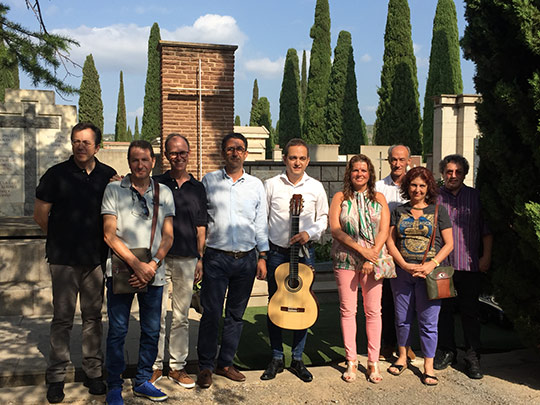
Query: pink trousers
(347, 283)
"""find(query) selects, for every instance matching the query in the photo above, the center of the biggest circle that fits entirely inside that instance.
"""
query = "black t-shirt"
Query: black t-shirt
(413, 235)
(75, 228)
(191, 211)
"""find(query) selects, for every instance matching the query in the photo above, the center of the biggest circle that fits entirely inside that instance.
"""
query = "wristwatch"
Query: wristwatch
(158, 262)
(263, 255)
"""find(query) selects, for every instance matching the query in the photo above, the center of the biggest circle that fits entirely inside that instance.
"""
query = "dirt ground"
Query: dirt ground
(510, 378)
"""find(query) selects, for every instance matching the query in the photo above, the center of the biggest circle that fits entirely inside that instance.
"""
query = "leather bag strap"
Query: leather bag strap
(155, 213)
(432, 239)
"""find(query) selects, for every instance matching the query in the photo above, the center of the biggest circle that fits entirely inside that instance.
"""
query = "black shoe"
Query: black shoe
(443, 359)
(55, 392)
(95, 386)
(276, 366)
(472, 369)
(298, 368)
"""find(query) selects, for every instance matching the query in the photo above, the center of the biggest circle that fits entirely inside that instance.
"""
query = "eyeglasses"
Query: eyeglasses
(173, 155)
(78, 142)
(142, 202)
(231, 149)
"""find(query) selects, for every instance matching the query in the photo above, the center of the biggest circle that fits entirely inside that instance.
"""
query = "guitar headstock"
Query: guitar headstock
(296, 204)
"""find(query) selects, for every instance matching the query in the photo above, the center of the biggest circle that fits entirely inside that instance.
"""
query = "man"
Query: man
(237, 229)
(312, 223)
(399, 158)
(128, 211)
(470, 258)
(67, 209)
(183, 263)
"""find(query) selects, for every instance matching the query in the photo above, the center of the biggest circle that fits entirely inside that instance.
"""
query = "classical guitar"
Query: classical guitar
(294, 305)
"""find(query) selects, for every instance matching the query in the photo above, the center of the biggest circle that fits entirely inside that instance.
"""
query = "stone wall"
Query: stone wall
(197, 95)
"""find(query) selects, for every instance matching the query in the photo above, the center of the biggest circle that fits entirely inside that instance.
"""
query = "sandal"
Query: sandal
(426, 376)
(399, 367)
(373, 374)
(350, 374)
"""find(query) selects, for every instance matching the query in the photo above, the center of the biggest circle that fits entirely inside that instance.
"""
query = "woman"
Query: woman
(410, 232)
(359, 220)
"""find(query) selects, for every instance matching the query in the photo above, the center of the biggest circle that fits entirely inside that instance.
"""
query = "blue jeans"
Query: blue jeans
(221, 272)
(274, 332)
(118, 309)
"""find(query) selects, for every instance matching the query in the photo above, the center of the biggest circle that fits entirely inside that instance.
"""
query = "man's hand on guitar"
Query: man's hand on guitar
(261, 269)
(301, 237)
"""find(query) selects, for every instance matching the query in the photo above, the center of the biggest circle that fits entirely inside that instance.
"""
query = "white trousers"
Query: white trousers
(179, 272)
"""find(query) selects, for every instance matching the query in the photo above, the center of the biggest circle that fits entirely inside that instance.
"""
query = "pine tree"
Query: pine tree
(120, 134)
(501, 38)
(136, 133)
(9, 71)
(289, 103)
(151, 119)
(398, 114)
(444, 75)
(344, 123)
(90, 103)
(237, 121)
(254, 100)
(303, 87)
(319, 75)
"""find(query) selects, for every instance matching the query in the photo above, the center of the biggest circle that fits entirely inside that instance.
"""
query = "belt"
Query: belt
(236, 255)
(286, 251)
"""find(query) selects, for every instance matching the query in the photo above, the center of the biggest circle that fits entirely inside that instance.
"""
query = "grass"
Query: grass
(325, 344)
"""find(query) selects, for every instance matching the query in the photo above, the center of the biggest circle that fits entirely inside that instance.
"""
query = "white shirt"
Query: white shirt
(314, 214)
(391, 192)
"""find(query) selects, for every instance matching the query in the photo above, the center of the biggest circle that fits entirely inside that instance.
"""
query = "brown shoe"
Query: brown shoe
(182, 378)
(231, 373)
(204, 380)
(156, 376)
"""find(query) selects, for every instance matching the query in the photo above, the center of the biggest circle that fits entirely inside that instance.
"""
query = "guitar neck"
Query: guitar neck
(295, 249)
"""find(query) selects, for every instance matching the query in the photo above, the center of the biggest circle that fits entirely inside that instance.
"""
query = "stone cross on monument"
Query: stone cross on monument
(34, 135)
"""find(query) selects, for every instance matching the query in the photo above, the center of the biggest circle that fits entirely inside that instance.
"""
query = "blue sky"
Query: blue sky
(116, 33)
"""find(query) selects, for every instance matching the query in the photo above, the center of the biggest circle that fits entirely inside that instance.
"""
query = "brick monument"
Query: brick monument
(197, 99)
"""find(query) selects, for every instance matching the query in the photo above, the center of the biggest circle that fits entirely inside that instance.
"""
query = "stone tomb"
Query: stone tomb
(34, 135)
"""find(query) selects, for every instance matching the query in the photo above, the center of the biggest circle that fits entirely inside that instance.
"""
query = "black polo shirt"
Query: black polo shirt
(191, 211)
(75, 229)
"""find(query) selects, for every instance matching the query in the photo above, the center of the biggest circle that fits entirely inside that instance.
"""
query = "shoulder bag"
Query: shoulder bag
(440, 282)
(121, 271)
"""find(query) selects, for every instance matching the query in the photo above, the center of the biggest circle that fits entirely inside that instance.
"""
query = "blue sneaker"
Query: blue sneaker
(148, 390)
(114, 397)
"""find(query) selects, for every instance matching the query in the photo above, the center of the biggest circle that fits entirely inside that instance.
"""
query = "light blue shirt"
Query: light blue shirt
(237, 214)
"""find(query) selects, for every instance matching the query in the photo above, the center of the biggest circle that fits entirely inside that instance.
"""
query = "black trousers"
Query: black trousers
(467, 284)
(388, 315)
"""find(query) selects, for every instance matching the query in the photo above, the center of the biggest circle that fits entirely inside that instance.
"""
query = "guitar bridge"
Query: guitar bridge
(292, 309)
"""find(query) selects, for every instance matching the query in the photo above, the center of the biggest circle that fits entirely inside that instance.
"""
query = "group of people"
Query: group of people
(420, 225)
(230, 229)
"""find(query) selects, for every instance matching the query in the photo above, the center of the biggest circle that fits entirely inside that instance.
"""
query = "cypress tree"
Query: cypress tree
(501, 38)
(129, 134)
(120, 134)
(444, 76)
(289, 104)
(254, 99)
(319, 75)
(151, 119)
(90, 103)
(344, 123)
(9, 71)
(237, 120)
(136, 133)
(262, 113)
(398, 114)
(303, 86)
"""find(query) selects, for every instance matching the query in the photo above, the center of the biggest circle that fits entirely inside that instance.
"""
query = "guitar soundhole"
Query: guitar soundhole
(293, 284)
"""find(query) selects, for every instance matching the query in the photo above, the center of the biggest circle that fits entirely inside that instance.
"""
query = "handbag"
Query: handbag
(121, 271)
(440, 282)
(384, 267)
